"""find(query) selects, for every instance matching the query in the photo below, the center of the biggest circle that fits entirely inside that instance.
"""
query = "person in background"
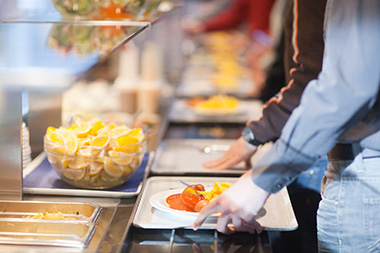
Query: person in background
(339, 113)
(256, 15)
(303, 53)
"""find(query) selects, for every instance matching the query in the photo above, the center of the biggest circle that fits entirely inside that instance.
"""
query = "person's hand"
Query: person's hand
(239, 204)
(238, 152)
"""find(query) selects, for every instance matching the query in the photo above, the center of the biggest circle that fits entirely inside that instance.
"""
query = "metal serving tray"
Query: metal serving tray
(182, 113)
(45, 232)
(186, 156)
(16, 226)
(79, 211)
(277, 213)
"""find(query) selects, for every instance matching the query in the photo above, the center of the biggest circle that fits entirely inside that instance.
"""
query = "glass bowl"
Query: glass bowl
(94, 167)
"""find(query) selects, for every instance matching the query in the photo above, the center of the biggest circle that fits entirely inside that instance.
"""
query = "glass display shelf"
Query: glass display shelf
(51, 43)
(90, 12)
(46, 55)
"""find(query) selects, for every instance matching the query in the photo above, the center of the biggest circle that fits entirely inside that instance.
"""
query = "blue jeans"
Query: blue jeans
(348, 218)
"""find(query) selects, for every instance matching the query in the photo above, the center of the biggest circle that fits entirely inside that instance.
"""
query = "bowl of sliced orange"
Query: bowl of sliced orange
(94, 154)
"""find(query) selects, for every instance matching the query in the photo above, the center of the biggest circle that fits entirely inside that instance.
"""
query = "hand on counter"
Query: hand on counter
(238, 152)
(238, 205)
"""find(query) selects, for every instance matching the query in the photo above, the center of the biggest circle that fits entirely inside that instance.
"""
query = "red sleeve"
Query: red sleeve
(230, 17)
(259, 15)
(255, 12)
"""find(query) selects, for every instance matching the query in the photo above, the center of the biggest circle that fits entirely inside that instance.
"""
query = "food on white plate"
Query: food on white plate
(194, 197)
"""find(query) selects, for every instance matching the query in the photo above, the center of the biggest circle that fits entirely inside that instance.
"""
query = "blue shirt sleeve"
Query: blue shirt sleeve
(345, 91)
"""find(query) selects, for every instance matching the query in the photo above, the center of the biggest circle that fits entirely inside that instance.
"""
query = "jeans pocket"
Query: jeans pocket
(372, 223)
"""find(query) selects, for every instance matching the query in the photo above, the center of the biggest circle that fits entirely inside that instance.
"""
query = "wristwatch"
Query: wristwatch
(250, 137)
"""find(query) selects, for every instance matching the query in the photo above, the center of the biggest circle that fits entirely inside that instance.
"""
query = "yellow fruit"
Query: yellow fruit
(95, 168)
(102, 139)
(74, 174)
(138, 133)
(98, 125)
(111, 125)
(77, 163)
(82, 128)
(111, 168)
(120, 158)
(72, 128)
(82, 142)
(128, 149)
(53, 134)
(69, 140)
(120, 130)
(127, 169)
(108, 178)
(88, 151)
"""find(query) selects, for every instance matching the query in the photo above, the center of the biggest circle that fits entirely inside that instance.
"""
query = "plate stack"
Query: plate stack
(26, 149)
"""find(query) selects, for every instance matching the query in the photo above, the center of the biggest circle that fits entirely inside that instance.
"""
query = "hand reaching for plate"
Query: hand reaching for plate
(238, 205)
(238, 152)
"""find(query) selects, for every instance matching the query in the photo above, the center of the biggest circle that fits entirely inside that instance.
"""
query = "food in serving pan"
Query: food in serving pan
(50, 216)
(194, 197)
(93, 154)
(217, 104)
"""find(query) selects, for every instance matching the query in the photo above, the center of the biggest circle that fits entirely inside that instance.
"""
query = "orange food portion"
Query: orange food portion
(189, 200)
(175, 202)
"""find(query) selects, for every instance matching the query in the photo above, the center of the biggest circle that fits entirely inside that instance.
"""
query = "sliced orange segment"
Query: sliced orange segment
(98, 125)
(70, 141)
(120, 158)
(101, 140)
(96, 168)
(74, 174)
(53, 134)
(111, 168)
(120, 130)
(82, 128)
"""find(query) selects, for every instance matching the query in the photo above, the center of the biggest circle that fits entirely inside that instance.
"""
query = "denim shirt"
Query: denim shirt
(341, 105)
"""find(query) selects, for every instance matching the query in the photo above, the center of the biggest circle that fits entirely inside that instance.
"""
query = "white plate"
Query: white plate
(158, 201)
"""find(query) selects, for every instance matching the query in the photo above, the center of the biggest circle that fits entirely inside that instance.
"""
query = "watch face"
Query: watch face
(249, 136)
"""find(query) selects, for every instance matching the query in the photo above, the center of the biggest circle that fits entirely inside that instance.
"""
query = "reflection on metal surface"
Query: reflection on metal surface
(183, 240)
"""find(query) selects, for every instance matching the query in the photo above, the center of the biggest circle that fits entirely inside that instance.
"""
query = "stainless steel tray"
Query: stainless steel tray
(185, 157)
(277, 213)
(248, 110)
(45, 232)
(81, 212)
(76, 230)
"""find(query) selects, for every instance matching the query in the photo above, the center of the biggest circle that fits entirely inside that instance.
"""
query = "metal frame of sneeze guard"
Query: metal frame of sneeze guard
(10, 144)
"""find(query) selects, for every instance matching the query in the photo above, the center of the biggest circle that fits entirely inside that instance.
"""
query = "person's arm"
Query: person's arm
(303, 65)
(303, 62)
(344, 93)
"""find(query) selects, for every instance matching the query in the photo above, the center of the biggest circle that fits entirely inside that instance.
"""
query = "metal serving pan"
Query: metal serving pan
(186, 156)
(45, 232)
(80, 212)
